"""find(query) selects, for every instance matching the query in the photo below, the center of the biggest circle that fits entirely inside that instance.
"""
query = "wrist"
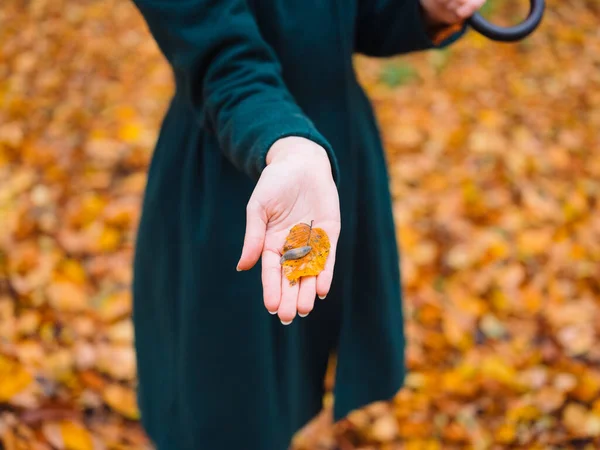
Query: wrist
(438, 26)
(294, 147)
(429, 16)
(436, 18)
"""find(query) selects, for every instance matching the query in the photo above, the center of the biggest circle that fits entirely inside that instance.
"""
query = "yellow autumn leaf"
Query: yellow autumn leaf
(130, 132)
(109, 239)
(91, 207)
(15, 379)
(506, 433)
(115, 306)
(523, 413)
(75, 436)
(71, 270)
(497, 368)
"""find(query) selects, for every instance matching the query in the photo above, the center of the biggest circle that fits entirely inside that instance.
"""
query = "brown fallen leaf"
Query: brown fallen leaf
(51, 413)
(92, 380)
(311, 264)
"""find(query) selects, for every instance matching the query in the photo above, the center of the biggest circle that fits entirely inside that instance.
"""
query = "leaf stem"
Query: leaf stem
(309, 232)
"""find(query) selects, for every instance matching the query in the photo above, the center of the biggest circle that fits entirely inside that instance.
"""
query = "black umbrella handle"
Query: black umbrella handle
(509, 34)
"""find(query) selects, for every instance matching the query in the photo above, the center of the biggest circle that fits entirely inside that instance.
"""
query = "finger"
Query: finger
(306, 295)
(453, 5)
(468, 9)
(325, 278)
(451, 9)
(271, 280)
(254, 239)
(289, 301)
(451, 17)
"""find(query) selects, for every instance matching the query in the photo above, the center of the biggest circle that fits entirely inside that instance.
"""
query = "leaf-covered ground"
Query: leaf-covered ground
(494, 157)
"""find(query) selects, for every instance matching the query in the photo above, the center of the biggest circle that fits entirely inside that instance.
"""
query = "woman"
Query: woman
(269, 128)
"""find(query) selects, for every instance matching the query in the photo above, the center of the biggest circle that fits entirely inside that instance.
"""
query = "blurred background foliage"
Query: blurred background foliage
(494, 163)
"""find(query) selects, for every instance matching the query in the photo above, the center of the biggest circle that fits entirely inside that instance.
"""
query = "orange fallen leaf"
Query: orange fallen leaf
(549, 399)
(506, 433)
(311, 264)
(92, 380)
(68, 435)
(9, 441)
(66, 296)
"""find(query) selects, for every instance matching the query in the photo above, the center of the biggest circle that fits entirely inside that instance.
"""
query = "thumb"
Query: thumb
(254, 239)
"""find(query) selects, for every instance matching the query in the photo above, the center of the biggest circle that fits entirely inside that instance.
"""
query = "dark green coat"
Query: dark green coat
(216, 371)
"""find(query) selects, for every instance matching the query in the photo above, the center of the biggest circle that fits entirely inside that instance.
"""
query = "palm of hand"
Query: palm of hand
(290, 191)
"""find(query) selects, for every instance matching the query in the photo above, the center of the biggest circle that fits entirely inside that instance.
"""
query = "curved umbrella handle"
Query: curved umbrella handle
(509, 34)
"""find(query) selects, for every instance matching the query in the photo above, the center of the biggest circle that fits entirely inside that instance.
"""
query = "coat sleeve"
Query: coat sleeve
(392, 27)
(230, 77)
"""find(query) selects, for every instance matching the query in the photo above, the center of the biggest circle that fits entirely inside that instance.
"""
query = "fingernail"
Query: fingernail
(272, 312)
(302, 315)
(286, 323)
(238, 268)
(323, 298)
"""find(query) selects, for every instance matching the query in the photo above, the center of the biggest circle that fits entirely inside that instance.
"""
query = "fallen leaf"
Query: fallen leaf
(65, 296)
(14, 378)
(495, 192)
(311, 264)
(580, 421)
(549, 399)
(122, 400)
(75, 436)
(384, 429)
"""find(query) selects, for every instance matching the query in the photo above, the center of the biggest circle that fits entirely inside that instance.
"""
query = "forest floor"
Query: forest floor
(494, 162)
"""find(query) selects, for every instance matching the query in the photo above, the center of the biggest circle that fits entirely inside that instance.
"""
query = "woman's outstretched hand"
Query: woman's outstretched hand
(296, 186)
